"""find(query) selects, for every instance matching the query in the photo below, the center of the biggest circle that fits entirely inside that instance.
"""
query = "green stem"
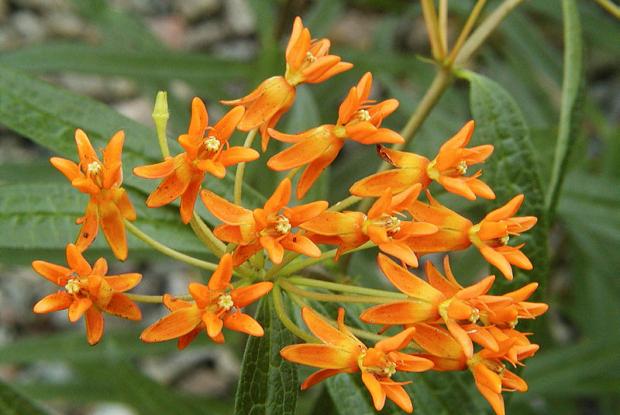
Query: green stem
(204, 233)
(291, 268)
(610, 7)
(154, 299)
(160, 117)
(284, 318)
(167, 250)
(333, 286)
(238, 186)
(336, 298)
(467, 28)
(344, 203)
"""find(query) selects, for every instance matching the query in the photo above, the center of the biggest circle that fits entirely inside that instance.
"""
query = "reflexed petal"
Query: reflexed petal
(174, 325)
(397, 394)
(94, 325)
(224, 128)
(522, 293)
(76, 261)
(396, 342)
(461, 337)
(230, 233)
(200, 118)
(120, 305)
(407, 282)
(316, 167)
(434, 277)
(171, 187)
(243, 323)
(53, 302)
(516, 257)
(213, 167)
(319, 355)
(52, 272)
(174, 304)
(224, 210)
(496, 259)
(213, 323)
(235, 155)
(273, 247)
(113, 228)
(317, 142)
(461, 138)
(100, 267)
(335, 70)
(186, 339)
(188, 199)
(479, 288)
(220, 279)
(458, 186)
(506, 211)
(495, 399)
(156, 171)
(322, 329)
(438, 342)
(121, 198)
(78, 307)
(112, 160)
(85, 185)
(300, 244)
(244, 296)
(318, 376)
(123, 282)
(409, 363)
(375, 389)
(401, 251)
(90, 227)
(486, 377)
(332, 224)
(396, 179)
(67, 167)
(402, 312)
(303, 213)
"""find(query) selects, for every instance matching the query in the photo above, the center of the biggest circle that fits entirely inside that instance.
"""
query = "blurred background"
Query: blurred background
(120, 52)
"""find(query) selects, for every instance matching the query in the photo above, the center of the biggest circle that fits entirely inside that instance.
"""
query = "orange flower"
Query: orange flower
(448, 169)
(109, 203)
(87, 291)
(441, 348)
(342, 352)
(358, 120)
(452, 234)
(349, 230)
(307, 61)
(215, 306)
(506, 310)
(492, 234)
(270, 228)
(183, 174)
(440, 299)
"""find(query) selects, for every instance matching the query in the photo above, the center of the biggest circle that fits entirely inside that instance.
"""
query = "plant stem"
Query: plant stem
(485, 29)
(467, 28)
(154, 299)
(204, 233)
(344, 203)
(293, 268)
(238, 186)
(333, 297)
(430, 19)
(167, 250)
(284, 318)
(309, 282)
(443, 25)
(610, 7)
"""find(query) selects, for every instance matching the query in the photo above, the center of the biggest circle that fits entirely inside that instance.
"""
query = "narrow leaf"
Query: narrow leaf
(14, 403)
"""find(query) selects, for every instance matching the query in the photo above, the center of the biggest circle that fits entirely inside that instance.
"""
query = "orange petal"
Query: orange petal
(86, 151)
(224, 210)
(220, 279)
(188, 199)
(273, 247)
(200, 118)
(397, 394)
(279, 198)
(213, 167)
(244, 296)
(396, 342)
(113, 228)
(319, 355)
(112, 160)
(335, 70)
(230, 233)
(94, 325)
(477, 289)
(402, 312)
(76, 261)
(243, 323)
(224, 128)
(487, 378)
(303, 213)
(434, 277)
(90, 227)
(121, 306)
(316, 167)
(300, 244)
(78, 307)
(318, 376)
(315, 143)
(438, 342)
(53, 302)
(461, 337)
(375, 389)
(520, 294)
(322, 329)
(401, 251)
(407, 282)
(174, 325)
(121, 198)
(409, 363)
(506, 211)
(397, 179)
(52, 272)
(156, 171)
(67, 167)
(123, 282)
(332, 224)
(213, 323)
(186, 339)
(235, 155)
(496, 259)
(458, 186)
(100, 267)
(171, 187)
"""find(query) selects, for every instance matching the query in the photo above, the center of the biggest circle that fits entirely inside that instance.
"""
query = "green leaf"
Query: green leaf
(30, 211)
(49, 115)
(512, 168)
(268, 384)
(142, 65)
(572, 100)
(13, 403)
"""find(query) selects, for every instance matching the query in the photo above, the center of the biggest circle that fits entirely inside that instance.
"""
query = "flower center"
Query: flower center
(212, 144)
(73, 286)
(461, 167)
(283, 226)
(392, 224)
(363, 115)
(310, 57)
(225, 302)
(504, 239)
(94, 168)
(388, 370)
(475, 315)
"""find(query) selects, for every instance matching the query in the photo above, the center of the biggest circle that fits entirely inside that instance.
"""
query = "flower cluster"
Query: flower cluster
(436, 324)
